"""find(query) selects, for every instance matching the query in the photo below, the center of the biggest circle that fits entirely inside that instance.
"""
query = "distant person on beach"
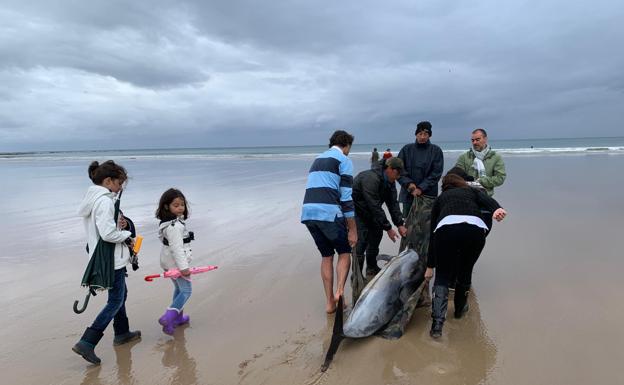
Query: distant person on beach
(371, 189)
(456, 241)
(328, 213)
(374, 158)
(482, 163)
(97, 210)
(387, 154)
(173, 211)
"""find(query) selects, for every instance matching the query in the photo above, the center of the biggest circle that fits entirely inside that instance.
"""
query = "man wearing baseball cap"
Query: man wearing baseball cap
(371, 189)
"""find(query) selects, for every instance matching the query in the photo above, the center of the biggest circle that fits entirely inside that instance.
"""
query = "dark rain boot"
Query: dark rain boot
(126, 337)
(123, 335)
(87, 343)
(461, 300)
(372, 271)
(439, 304)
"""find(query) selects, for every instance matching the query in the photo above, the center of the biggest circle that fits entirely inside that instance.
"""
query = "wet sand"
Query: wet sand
(544, 310)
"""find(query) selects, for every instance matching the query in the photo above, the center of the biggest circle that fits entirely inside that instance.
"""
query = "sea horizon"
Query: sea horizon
(614, 145)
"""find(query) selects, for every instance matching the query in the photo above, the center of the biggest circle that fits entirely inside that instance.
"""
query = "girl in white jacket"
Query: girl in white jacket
(97, 210)
(175, 254)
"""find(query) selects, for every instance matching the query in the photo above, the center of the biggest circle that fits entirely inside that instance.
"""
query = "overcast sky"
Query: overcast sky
(133, 74)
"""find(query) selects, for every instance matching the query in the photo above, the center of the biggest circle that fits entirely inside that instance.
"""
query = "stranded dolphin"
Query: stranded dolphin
(386, 303)
(386, 295)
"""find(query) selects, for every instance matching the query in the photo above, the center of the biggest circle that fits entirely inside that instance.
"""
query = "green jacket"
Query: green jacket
(494, 169)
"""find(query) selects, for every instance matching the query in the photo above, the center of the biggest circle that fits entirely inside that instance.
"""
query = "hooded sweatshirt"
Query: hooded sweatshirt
(178, 254)
(97, 210)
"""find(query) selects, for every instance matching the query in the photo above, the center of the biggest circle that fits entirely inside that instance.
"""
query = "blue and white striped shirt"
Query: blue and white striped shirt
(328, 191)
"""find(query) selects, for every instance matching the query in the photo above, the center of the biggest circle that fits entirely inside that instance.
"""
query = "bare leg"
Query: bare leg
(342, 270)
(327, 274)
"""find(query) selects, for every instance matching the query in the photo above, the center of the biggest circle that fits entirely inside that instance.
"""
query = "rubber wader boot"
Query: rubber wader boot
(87, 343)
(461, 300)
(438, 310)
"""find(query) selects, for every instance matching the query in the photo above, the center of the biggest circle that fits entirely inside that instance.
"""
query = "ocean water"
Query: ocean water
(612, 145)
(231, 190)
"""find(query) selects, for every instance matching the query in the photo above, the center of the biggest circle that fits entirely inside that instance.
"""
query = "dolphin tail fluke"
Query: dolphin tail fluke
(337, 335)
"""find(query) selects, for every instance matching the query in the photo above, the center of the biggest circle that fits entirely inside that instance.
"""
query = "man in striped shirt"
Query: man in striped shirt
(328, 213)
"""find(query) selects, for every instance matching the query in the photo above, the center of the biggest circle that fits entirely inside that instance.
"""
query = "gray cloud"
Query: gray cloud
(126, 74)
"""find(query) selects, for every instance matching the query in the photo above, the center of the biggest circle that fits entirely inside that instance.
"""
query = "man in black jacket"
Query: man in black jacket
(424, 163)
(371, 189)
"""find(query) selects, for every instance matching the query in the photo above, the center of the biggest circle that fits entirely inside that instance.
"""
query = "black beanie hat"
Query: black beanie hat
(423, 126)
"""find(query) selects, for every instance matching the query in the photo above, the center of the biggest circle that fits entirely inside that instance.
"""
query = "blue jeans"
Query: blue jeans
(181, 293)
(115, 309)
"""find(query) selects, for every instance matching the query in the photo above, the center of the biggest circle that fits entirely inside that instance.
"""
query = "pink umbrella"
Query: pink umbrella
(175, 273)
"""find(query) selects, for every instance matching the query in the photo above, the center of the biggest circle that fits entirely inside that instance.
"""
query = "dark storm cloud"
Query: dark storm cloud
(86, 74)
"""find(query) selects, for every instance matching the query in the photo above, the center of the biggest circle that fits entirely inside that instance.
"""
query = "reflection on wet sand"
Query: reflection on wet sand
(175, 357)
(92, 375)
(463, 355)
(123, 355)
(125, 374)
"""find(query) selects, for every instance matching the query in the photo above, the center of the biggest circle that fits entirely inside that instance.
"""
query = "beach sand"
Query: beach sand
(544, 310)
